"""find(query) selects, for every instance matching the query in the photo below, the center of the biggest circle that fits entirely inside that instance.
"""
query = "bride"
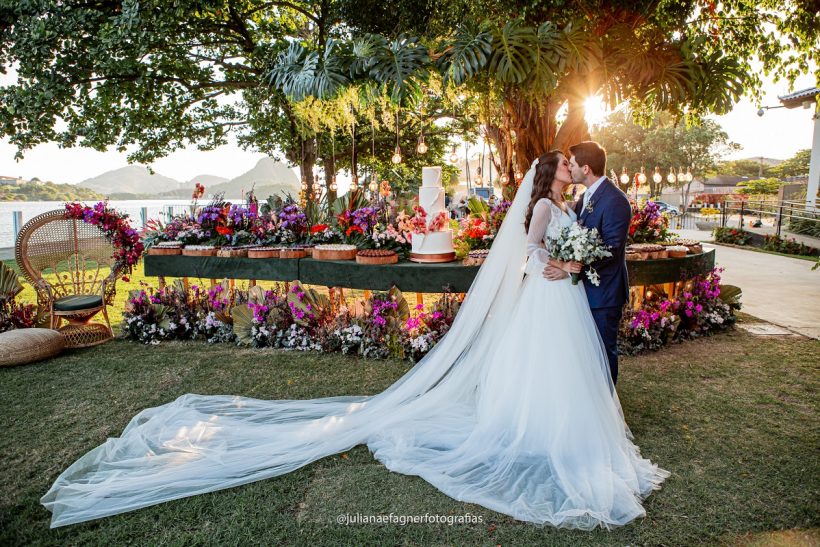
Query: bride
(514, 409)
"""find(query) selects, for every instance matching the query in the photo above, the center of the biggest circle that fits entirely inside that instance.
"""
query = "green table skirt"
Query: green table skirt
(408, 276)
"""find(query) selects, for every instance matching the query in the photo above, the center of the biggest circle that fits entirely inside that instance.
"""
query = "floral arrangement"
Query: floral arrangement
(117, 230)
(648, 224)
(294, 317)
(703, 307)
(13, 314)
(580, 244)
(773, 242)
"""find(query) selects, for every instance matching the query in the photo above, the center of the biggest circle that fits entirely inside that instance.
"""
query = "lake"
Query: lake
(30, 209)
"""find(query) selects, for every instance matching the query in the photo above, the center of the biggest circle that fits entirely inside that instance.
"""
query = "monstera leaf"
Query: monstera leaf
(399, 65)
(514, 52)
(331, 74)
(466, 54)
(9, 283)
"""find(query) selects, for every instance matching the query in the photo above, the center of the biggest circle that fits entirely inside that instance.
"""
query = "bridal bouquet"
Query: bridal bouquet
(581, 245)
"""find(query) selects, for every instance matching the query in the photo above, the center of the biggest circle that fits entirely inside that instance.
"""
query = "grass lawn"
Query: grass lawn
(733, 417)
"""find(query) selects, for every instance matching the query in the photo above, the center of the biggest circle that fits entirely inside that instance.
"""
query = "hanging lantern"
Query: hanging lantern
(396, 156)
(504, 178)
(688, 174)
(519, 176)
(354, 182)
(641, 177)
(657, 177)
(671, 178)
(333, 185)
(421, 148)
(373, 184)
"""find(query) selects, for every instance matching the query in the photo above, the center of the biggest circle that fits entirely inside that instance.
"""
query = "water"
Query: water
(31, 209)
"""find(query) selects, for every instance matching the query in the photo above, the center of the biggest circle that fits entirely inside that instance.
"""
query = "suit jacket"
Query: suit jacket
(609, 212)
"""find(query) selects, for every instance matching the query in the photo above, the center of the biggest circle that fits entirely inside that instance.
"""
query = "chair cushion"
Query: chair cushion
(78, 302)
(22, 346)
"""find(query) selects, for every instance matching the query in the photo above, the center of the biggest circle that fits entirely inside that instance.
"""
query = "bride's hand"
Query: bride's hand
(571, 267)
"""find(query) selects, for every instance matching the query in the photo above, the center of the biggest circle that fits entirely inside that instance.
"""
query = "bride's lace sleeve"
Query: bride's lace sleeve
(541, 216)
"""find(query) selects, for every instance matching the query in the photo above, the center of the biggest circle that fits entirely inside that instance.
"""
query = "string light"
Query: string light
(422, 146)
(396, 159)
(624, 177)
(454, 156)
(641, 177)
(657, 177)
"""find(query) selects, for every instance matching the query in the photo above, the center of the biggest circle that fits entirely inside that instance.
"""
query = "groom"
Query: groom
(605, 207)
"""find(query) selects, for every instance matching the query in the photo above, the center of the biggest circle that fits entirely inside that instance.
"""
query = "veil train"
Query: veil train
(198, 444)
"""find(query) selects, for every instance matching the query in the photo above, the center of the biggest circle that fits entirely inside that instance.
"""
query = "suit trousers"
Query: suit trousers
(608, 320)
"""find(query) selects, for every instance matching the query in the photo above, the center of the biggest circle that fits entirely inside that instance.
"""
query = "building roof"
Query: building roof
(796, 99)
(725, 180)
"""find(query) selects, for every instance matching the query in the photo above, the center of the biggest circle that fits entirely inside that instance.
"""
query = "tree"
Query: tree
(160, 75)
(665, 144)
(742, 168)
(760, 187)
(797, 165)
(155, 76)
(682, 57)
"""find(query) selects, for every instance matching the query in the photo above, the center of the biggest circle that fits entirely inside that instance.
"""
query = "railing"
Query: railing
(791, 215)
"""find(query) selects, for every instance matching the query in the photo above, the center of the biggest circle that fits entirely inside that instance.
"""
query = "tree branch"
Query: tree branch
(289, 5)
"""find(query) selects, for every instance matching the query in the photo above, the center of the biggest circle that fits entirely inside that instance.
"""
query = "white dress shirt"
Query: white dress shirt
(591, 190)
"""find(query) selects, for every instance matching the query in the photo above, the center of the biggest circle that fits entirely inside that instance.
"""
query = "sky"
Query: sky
(778, 134)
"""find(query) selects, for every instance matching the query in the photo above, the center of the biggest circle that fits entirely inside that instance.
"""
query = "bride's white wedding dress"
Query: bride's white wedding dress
(514, 410)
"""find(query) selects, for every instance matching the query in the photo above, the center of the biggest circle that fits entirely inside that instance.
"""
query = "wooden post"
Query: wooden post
(144, 216)
(420, 299)
(186, 283)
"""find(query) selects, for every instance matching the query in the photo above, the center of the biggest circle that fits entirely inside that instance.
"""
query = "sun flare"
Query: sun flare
(595, 110)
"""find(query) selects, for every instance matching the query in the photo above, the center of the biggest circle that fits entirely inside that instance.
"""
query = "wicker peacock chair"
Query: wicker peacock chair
(70, 265)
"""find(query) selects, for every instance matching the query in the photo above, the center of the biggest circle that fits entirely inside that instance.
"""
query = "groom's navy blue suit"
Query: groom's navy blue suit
(608, 211)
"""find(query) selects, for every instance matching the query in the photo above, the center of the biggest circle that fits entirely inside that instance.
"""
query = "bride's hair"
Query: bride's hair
(544, 175)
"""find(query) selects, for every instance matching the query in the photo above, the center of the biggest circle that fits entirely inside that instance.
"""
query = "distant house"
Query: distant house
(723, 184)
(10, 180)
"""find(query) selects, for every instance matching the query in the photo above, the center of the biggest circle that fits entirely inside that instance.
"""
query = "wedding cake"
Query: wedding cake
(437, 244)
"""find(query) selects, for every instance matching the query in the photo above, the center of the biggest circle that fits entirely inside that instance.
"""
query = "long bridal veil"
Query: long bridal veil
(420, 425)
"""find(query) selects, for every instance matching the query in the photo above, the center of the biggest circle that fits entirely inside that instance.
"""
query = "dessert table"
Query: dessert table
(407, 276)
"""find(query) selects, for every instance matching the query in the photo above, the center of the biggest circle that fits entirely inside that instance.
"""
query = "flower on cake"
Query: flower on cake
(440, 222)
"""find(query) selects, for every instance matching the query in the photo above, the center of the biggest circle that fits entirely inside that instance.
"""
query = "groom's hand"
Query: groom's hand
(554, 273)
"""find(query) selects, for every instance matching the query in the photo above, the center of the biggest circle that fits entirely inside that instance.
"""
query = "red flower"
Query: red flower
(224, 230)
(316, 228)
(354, 228)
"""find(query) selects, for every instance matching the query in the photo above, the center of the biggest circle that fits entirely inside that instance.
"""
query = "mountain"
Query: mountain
(132, 179)
(268, 177)
(205, 180)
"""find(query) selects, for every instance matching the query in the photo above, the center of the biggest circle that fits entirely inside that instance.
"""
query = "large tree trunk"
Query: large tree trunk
(527, 130)
(304, 155)
(574, 129)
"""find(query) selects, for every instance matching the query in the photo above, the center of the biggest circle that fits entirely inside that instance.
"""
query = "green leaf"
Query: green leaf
(514, 52)
(466, 54)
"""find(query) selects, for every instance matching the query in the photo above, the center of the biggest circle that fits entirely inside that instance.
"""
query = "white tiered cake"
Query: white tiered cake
(433, 246)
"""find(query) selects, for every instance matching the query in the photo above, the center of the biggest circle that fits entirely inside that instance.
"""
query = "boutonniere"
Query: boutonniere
(589, 208)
